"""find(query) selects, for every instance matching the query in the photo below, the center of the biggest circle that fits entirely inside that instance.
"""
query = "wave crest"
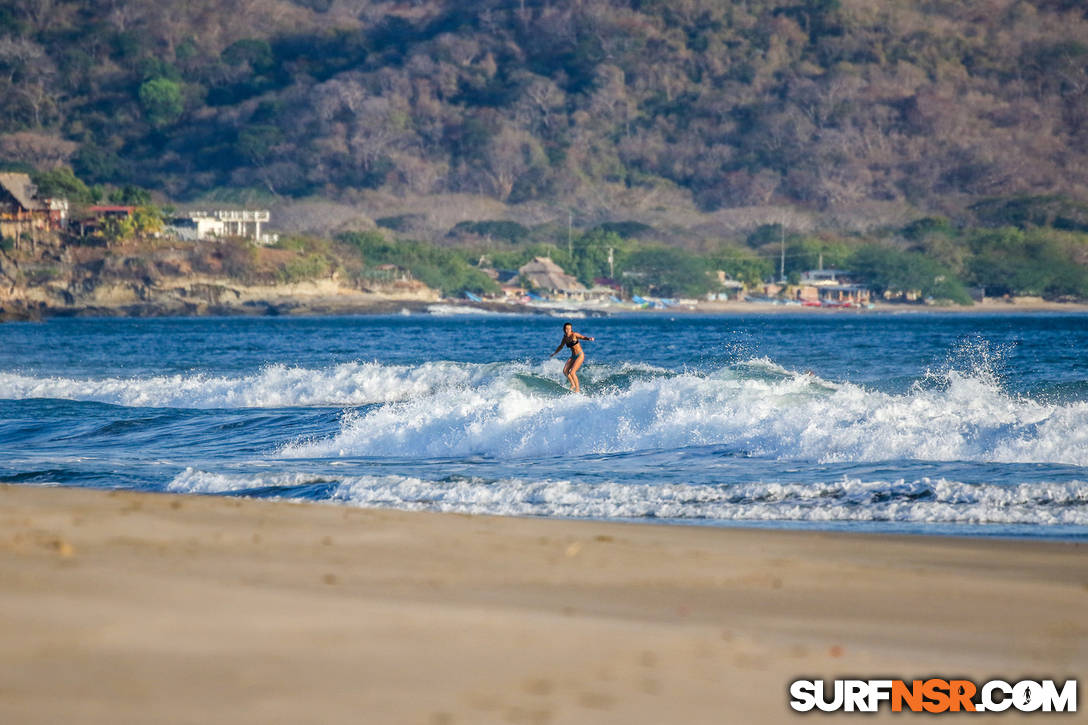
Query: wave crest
(754, 409)
(923, 501)
(274, 386)
(517, 409)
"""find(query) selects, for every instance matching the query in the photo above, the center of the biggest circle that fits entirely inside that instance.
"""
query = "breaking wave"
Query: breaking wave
(274, 386)
(919, 501)
(754, 409)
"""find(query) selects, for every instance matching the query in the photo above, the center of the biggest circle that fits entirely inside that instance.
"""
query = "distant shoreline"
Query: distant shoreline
(332, 307)
(994, 307)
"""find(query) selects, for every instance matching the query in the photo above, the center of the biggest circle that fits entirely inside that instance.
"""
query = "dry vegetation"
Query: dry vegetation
(843, 106)
(931, 146)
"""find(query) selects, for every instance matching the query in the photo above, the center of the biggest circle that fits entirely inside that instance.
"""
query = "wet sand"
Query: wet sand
(149, 608)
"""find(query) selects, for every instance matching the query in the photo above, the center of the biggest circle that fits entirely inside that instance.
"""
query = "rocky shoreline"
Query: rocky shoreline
(210, 300)
(56, 281)
(150, 279)
(16, 313)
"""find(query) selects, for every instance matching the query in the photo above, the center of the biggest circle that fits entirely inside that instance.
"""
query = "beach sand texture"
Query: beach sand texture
(148, 608)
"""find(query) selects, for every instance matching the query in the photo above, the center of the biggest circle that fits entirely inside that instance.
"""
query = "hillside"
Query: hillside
(163, 277)
(851, 108)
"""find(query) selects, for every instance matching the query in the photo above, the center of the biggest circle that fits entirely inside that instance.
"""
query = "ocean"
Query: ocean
(908, 423)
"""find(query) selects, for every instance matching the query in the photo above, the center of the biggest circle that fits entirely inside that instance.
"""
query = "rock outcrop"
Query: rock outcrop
(53, 279)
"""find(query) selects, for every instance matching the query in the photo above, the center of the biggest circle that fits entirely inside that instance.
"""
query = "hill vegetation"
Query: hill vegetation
(823, 103)
(969, 119)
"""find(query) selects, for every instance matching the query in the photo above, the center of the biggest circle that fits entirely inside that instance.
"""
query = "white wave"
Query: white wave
(920, 501)
(755, 408)
(195, 481)
(451, 310)
(274, 386)
(768, 413)
(280, 386)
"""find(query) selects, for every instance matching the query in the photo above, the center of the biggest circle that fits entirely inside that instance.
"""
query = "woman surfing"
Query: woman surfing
(572, 340)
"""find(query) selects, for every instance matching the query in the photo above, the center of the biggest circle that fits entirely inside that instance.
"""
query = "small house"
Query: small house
(844, 294)
(830, 287)
(94, 217)
(543, 274)
(22, 210)
(513, 291)
(726, 281)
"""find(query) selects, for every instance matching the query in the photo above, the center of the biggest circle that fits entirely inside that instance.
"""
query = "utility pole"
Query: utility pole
(611, 271)
(570, 239)
(782, 263)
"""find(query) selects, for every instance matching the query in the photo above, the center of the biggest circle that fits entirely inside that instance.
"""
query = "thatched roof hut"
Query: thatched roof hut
(544, 274)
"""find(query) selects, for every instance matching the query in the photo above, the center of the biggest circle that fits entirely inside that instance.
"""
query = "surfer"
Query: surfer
(572, 340)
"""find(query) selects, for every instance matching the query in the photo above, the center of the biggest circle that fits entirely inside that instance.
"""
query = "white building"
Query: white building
(222, 223)
(821, 277)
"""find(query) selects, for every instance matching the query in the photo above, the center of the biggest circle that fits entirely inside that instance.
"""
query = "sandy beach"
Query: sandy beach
(139, 608)
(376, 304)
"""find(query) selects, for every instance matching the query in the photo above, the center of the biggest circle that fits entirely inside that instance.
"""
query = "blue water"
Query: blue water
(920, 423)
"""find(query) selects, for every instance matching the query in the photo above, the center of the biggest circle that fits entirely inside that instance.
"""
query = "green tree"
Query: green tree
(441, 268)
(766, 234)
(666, 271)
(887, 269)
(147, 220)
(919, 229)
(254, 51)
(806, 253)
(143, 222)
(255, 142)
(1033, 211)
(161, 100)
(1036, 262)
(499, 229)
(130, 195)
(61, 182)
(591, 254)
(97, 164)
(118, 228)
(742, 265)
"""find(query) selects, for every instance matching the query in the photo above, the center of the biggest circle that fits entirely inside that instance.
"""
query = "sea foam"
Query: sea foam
(274, 386)
(754, 409)
(519, 410)
(923, 500)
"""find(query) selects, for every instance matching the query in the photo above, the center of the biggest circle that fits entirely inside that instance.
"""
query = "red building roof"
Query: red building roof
(111, 209)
